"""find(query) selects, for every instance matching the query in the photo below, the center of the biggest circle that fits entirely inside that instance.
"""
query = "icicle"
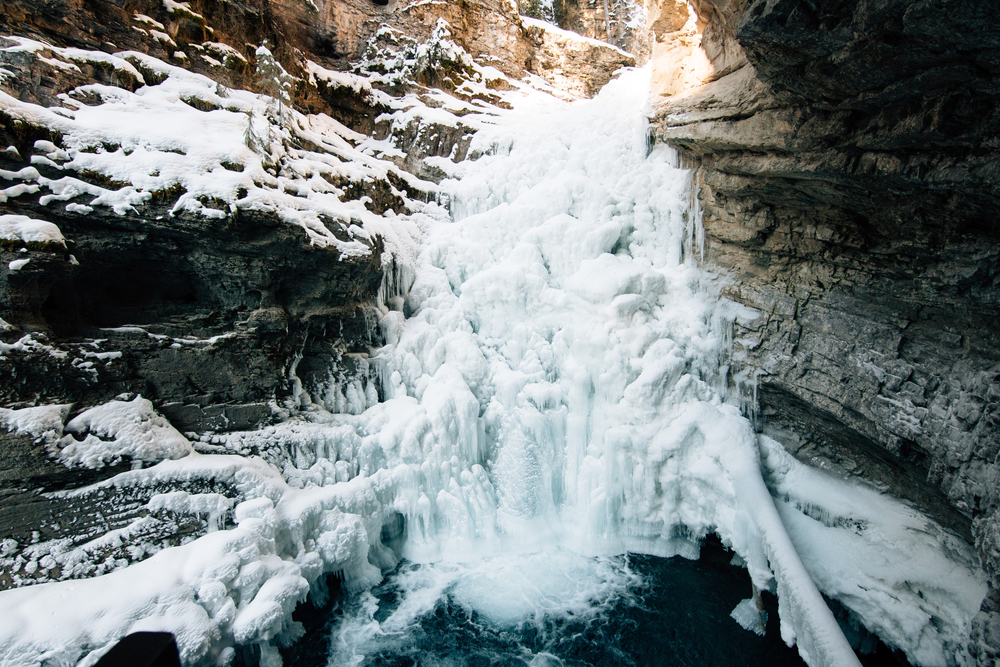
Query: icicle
(395, 286)
(299, 397)
(698, 214)
(746, 383)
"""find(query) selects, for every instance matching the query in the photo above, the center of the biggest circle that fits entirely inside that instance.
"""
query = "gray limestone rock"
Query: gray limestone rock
(850, 188)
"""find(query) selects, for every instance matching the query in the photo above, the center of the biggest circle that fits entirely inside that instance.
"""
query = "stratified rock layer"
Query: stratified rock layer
(851, 186)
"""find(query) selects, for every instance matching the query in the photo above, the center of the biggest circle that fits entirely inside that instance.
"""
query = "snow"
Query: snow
(225, 51)
(44, 422)
(103, 435)
(66, 58)
(354, 82)
(237, 585)
(913, 584)
(186, 591)
(30, 343)
(183, 8)
(142, 18)
(23, 228)
(557, 394)
(151, 142)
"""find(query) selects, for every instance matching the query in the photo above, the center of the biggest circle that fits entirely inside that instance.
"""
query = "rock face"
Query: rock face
(218, 322)
(490, 30)
(850, 186)
(560, 56)
(160, 303)
(625, 24)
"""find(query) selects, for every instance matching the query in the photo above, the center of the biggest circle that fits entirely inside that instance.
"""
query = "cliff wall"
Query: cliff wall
(850, 185)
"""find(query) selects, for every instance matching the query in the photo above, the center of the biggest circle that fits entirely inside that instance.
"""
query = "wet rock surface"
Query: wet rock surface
(850, 188)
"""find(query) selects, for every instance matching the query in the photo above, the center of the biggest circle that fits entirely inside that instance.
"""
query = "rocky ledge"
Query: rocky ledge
(850, 188)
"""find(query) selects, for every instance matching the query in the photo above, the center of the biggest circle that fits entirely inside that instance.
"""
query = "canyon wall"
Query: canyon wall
(850, 184)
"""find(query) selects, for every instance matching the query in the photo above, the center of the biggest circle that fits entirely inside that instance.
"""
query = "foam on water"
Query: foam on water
(524, 593)
(565, 610)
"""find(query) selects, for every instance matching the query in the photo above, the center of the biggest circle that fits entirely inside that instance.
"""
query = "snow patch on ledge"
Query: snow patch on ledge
(570, 36)
(117, 430)
(23, 228)
(188, 139)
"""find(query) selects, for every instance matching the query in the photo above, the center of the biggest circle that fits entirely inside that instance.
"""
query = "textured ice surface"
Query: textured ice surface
(557, 391)
(565, 311)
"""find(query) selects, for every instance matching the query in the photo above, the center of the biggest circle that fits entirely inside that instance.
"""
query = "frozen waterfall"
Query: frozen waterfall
(560, 381)
(554, 393)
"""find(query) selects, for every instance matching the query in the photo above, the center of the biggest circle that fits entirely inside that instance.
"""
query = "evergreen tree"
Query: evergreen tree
(537, 9)
(273, 81)
(253, 140)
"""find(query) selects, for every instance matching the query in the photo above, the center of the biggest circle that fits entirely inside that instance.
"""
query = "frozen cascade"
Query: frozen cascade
(560, 371)
(555, 393)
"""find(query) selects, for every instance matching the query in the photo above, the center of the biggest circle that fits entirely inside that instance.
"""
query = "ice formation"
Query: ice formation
(555, 381)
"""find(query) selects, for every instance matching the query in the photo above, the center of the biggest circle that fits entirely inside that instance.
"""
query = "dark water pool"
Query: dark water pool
(671, 612)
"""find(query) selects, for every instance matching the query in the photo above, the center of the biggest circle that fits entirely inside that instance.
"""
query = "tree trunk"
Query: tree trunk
(607, 21)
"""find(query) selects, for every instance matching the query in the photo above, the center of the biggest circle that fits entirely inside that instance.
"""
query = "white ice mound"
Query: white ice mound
(120, 429)
(749, 617)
